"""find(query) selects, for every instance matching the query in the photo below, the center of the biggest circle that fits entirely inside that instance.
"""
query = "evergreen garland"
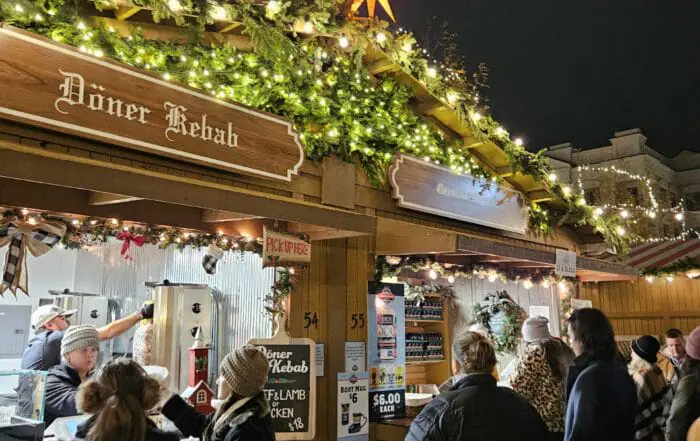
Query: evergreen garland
(336, 106)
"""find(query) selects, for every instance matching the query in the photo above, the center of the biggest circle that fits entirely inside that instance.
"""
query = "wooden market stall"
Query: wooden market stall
(67, 146)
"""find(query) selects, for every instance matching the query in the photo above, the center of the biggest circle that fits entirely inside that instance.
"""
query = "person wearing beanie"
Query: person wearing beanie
(686, 402)
(654, 394)
(43, 350)
(245, 413)
(540, 374)
(79, 348)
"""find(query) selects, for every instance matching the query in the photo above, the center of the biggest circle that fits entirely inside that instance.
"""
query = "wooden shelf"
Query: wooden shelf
(424, 321)
(427, 361)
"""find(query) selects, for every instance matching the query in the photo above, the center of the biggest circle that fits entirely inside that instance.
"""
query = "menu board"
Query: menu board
(386, 351)
(291, 385)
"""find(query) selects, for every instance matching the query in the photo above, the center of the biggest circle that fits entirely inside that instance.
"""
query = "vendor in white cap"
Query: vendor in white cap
(43, 351)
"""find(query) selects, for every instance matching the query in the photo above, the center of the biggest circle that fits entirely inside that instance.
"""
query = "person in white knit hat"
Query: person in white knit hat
(244, 414)
(79, 349)
(540, 374)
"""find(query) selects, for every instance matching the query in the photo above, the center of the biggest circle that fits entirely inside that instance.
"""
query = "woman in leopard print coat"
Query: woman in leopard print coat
(540, 374)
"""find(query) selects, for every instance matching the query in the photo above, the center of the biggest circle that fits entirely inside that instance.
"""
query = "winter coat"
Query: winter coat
(669, 368)
(153, 433)
(61, 388)
(250, 420)
(602, 402)
(476, 409)
(534, 380)
(41, 354)
(685, 408)
(654, 397)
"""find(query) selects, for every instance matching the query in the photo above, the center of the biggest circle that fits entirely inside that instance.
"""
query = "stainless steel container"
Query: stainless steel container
(179, 310)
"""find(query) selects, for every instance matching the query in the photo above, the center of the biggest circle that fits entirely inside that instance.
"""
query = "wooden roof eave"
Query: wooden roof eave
(433, 109)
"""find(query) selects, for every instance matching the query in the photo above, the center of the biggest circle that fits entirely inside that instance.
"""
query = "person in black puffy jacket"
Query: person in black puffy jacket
(245, 413)
(686, 404)
(476, 409)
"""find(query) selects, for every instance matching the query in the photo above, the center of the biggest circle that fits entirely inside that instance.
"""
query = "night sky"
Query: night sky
(568, 70)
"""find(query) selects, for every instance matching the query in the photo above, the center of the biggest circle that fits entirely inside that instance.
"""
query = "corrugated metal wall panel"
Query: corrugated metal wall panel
(240, 279)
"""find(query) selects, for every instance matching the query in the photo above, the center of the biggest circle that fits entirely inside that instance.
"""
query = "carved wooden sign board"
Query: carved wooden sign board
(57, 87)
(291, 384)
(423, 186)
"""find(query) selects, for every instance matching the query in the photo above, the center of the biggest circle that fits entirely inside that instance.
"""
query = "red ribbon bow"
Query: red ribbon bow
(127, 237)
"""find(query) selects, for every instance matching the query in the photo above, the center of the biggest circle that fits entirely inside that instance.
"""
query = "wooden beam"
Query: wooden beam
(20, 162)
(540, 196)
(396, 238)
(124, 12)
(97, 198)
(381, 66)
(320, 233)
(429, 107)
(224, 216)
(228, 27)
(173, 33)
(484, 246)
(505, 172)
(37, 196)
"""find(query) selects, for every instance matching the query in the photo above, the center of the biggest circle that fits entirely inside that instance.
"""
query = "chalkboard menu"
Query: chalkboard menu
(291, 385)
(288, 386)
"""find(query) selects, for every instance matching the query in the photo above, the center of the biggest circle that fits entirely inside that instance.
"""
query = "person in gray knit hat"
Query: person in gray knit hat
(79, 349)
(540, 374)
(245, 412)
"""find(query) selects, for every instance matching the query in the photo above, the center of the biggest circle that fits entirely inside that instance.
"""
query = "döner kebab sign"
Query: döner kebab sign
(57, 87)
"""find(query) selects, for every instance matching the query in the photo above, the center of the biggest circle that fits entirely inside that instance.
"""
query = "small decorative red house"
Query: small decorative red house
(200, 397)
(198, 393)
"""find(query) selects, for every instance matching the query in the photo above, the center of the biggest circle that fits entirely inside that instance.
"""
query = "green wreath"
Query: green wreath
(503, 318)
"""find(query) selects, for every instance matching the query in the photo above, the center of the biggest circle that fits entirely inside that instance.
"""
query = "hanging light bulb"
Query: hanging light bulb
(126, 228)
(292, 270)
(693, 274)
(432, 72)
(432, 274)
(669, 279)
(598, 211)
(220, 13)
(624, 214)
(114, 222)
(32, 221)
(566, 190)
(552, 177)
(174, 5)
(519, 142)
(562, 286)
(581, 202)
(93, 222)
(652, 214)
(476, 116)
(679, 216)
(25, 212)
(381, 37)
(344, 42)
(650, 279)
(273, 7)
(545, 284)
(75, 222)
(451, 279)
(492, 277)
(308, 27)
(527, 284)
(621, 231)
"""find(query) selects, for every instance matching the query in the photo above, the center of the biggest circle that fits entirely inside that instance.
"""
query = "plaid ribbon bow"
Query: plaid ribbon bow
(22, 236)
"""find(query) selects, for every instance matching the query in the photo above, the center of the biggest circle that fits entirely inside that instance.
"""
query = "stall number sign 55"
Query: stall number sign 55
(358, 321)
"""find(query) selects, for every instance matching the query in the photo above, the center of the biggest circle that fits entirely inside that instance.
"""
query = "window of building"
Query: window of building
(693, 202)
(592, 196)
(201, 397)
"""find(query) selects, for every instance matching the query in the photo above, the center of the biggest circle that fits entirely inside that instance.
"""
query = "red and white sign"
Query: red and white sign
(279, 249)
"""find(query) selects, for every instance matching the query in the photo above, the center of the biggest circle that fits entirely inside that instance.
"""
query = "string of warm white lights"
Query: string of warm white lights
(612, 169)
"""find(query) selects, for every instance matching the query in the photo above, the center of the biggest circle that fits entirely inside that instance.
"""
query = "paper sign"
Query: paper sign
(355, 356)
(580, 304)
(353, 406)
(281, 248)
(320, 359)
(541, 311)
(565, 263)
